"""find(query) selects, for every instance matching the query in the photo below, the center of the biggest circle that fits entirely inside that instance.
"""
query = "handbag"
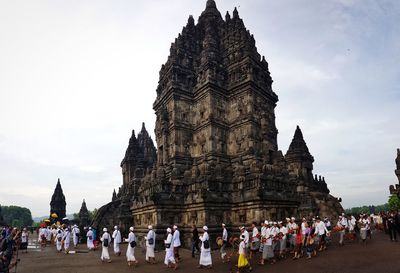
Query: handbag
(105, 242)
(206, 244)
(151, 241)
(168, 245)
(132, 244)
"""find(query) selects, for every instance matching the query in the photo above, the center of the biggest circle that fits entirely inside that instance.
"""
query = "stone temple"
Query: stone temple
(216, 158)
(395, 189)
(57, 203)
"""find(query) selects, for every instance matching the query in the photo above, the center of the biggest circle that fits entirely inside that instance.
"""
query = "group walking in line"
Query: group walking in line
(261, 243)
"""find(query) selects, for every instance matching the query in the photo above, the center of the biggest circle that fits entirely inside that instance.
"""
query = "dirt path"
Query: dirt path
(379, 256)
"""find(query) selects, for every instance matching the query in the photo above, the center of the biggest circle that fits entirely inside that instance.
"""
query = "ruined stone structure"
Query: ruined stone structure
(83, 215)
(217, 154)
(58, 204)
(395, 189)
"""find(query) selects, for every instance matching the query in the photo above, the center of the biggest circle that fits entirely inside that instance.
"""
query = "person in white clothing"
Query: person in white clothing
(48, 235)
(205, 254)
(90, 238)
(255, 240)
(176, 242)
(364, 226)
(130, 251)
(341, 227)
(117, 240)
(75, 235)
(169, 260)
(282, 241)
(246, 236)
(105, 242)
(24, 240)
(59, 238)
(321, 231)
(292, 227)
(67, 240)
(224, 256)
(150, 245)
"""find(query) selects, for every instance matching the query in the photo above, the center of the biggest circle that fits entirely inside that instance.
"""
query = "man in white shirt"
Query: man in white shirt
(117, 240)
(342, 226)
(321, 231)
(282, 242)
(292, 226)
(176, 243)
(224, 257)
(255, 240)
(75, 235)
(150, 245)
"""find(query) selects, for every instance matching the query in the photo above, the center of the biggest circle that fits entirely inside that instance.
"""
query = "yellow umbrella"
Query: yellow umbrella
(54, 215)
(47, 221)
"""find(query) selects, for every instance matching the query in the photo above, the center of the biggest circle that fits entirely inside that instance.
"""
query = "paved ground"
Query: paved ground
(378, 256)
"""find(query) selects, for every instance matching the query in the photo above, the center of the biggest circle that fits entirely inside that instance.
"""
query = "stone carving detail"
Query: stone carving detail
(217, 139)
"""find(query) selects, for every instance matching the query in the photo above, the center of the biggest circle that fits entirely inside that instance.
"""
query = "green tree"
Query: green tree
(394, 202)
(17, 216)
(1, 218)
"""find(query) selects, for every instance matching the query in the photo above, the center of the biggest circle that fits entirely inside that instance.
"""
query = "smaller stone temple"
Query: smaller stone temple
(395, 189)
(58, 204)
(83, 215)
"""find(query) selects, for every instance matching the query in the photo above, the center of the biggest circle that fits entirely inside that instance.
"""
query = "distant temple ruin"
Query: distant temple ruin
(58, 204)
(217, 158)
(395, 189)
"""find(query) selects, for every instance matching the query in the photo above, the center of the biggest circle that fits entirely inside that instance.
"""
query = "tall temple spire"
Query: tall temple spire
(83, 215)
(298, 144)
(58, 204)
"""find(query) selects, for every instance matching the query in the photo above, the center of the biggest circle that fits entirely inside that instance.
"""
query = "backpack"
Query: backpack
(132, 244)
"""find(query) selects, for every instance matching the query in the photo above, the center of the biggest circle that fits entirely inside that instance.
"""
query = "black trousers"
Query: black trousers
(392, 234)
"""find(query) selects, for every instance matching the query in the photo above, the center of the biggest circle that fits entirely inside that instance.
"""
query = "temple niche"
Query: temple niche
(216, 157)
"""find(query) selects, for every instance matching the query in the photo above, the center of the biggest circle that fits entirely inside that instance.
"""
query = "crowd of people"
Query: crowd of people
(268, 242)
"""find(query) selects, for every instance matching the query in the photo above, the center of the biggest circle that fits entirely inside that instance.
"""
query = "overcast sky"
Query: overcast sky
(77, 76)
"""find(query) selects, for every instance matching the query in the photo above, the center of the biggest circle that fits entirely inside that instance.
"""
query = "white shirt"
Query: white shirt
(242, 247)
(117, 236)
(320, 228)
(90, 234)
(246, 237)
(131, 237)
(225, 235)
(203, 238)
(150, 234)
(24, 237)
(176, 238)
(106, 235)
(268, 235)
(303, 228)
(75, 231)
(254, 235)
(284, 231)
(169, 240)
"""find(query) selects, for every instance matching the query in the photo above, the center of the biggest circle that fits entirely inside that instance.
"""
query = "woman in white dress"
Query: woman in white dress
(205, 254)
(150, 245)
(130, 251)
(67, 240)
(90, 239)
(169, 260)
(105, 242)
